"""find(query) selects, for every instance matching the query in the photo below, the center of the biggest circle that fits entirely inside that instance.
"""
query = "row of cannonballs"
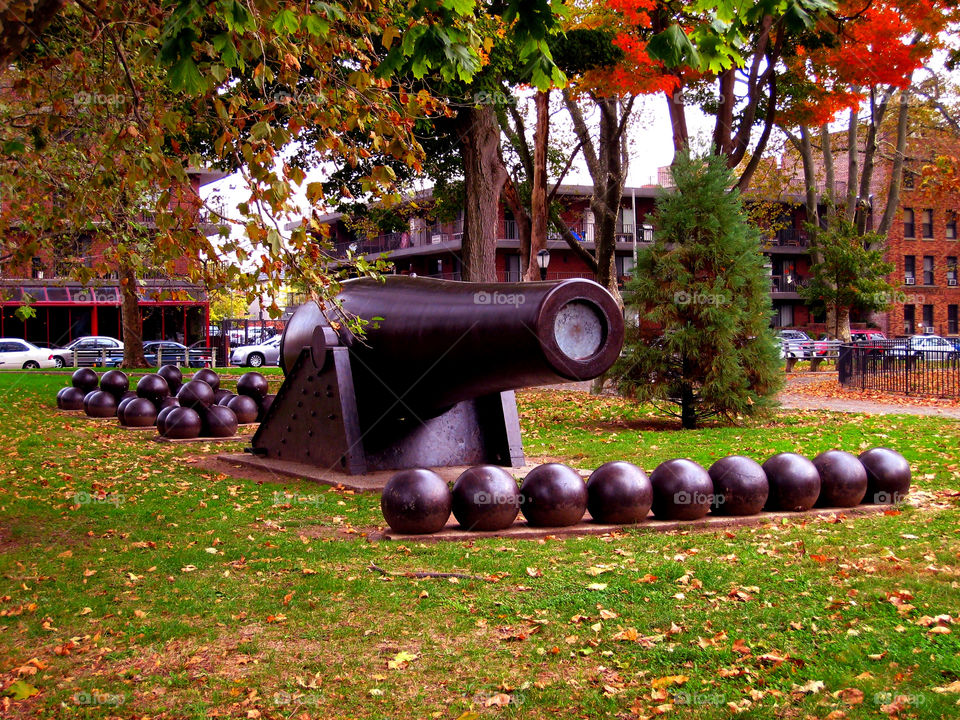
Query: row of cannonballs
(486, 497)
(179, 410)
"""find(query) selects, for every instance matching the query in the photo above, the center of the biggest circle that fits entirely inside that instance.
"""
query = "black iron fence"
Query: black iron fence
(911, 366)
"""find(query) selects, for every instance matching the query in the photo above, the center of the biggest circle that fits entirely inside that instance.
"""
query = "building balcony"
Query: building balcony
(786, 287)
(788, 240)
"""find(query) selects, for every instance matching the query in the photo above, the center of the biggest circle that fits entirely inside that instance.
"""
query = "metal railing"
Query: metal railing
(103, 357)
(900, 367)
(816, 351)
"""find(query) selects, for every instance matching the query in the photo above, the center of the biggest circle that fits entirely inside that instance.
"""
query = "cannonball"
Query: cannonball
(416, 502)
(794, 483)
(100, 404)
(208, 376)
(173, 376)
(221, 395)
(843, 479)
(70, 398)
(162, 417)
(619, 493)
(218, 422)
(682, 490)
(265, 406)
(739, 486)
(554, 495)
(153, 387)
(139, 412)
(227, 397)
(245, 407)
(195, 394)
(182, 423)
(168, 402)
(253, 384)
(122, 408)
(485, 497)
(115, 382)
(126, 395)
(888, 476)
(85, 379)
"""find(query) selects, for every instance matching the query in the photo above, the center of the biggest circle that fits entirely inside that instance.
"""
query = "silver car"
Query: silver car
(266, 353)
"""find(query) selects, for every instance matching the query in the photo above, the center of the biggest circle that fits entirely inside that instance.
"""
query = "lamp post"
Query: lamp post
(543, 262)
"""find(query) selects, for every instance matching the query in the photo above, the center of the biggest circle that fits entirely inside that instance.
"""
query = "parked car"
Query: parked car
(795, 344)
(171, 353)
(17, 353)
(91, 350)
(928, 347)
(267, 353)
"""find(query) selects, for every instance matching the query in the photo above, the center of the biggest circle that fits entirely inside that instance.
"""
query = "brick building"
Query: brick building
(170, 307)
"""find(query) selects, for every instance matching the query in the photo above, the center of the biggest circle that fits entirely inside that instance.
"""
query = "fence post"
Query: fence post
(213, 356)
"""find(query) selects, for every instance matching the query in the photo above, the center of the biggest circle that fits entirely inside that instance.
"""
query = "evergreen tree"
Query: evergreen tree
(849, 275)
(701, 293)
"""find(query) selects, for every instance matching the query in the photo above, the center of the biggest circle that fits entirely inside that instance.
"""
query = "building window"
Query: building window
(909, 180)
(927, 225)
(928, 270)
(927, 317)
(909, 319)
(950, 231)
(952, 270)
(909, 228)
(952, 319)
(910, 269)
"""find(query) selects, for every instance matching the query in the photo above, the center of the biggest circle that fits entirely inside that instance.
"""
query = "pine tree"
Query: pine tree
(701, 293)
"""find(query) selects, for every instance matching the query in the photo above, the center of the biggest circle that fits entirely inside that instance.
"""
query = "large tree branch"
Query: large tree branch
(581, 252)
(896, 173)
(583, 134)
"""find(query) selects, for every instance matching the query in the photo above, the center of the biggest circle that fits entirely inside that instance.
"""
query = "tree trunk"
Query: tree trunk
(511, 196)
(538, 199)
(688, 408)
(896, 173)
(130, 319)
(484, 176)
(843, 323)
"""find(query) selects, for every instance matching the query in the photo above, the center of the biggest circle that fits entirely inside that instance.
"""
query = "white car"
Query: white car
(91, 349)
(932, 347)
(266, 353)
(16, 353)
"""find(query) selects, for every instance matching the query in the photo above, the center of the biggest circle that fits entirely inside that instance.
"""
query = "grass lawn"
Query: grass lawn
(133, 583)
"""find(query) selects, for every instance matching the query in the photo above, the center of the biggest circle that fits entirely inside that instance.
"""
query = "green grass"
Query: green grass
(140, 583)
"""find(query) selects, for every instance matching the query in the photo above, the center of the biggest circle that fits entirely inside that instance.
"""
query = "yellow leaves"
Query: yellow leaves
(953, 687)
(669, 681)
(21, 690)
(401, 660)
(85, 611)
(389, 35)
(89, 573)
(534, 572)
(597, 586)
(140, 614)
(276, 618)
(809, 688)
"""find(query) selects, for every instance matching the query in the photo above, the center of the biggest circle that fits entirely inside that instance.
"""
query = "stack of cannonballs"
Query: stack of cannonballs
(206, 410)
(486, 497)
(99, 397)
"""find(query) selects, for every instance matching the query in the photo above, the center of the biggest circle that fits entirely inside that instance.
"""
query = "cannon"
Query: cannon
(430, 382)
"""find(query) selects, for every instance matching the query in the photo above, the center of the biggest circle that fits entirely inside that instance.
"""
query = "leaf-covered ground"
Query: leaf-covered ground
(135, 583)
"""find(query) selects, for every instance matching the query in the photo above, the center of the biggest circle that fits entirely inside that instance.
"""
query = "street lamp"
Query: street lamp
(543, 262)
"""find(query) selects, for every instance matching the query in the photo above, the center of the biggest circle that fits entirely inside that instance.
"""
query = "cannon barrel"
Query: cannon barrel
(430, 344)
